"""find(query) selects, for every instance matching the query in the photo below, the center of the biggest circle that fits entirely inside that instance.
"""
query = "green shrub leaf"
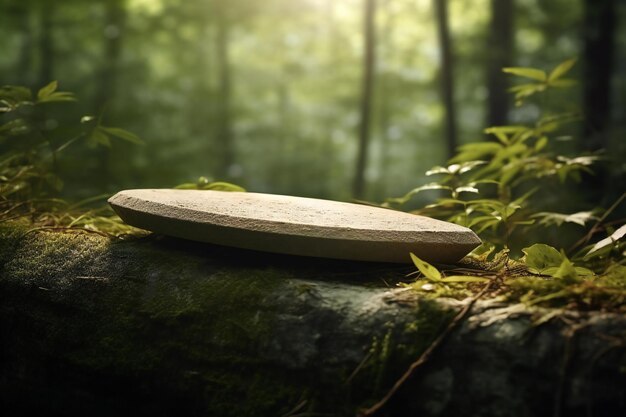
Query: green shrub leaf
(561, 69)
(615, 236)
(532, 73)
(44, 92)
(430, 272)
(123, 134)
(540, 257)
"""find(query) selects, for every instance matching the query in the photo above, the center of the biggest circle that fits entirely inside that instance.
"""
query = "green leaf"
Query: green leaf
(187, 186)
(566, 271)
(541, 143)
(437, 170)
(15, 94)
(430, 272)
(583, 271)
(123, 134)
(58, 96)
(540, 257)
(561, 69)
(510, 171)
(466, 189)
(223, 186)
(557, 219)
(482, 219)
(615, 236)
(98, 137)
(44, 92)
(205, 184)
(586, 160)
(531, 73)
(563, 83)
(475, 151)
(525, 87)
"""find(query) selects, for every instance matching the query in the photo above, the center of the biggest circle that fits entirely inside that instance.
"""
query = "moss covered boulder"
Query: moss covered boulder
(159, 326)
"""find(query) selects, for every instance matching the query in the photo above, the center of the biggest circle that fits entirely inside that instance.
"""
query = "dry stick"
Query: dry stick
(425, 355)
(359, 367)
(595, 227)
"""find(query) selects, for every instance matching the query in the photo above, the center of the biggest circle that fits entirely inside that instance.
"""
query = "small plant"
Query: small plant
(543, 277)
(204, 183)
(30, 144)
(494, 187)
(497, 187)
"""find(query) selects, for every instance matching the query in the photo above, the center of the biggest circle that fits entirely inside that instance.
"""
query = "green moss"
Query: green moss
(390, 356)
(164, 318)
(168, 316)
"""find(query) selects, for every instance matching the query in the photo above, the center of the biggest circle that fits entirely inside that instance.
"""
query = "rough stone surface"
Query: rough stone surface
(161, 326)
(294, 225)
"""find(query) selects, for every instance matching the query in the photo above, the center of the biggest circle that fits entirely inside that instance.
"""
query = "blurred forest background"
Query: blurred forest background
(323, 98)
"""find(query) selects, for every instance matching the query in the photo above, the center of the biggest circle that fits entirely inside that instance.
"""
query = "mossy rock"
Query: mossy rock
(159, 326)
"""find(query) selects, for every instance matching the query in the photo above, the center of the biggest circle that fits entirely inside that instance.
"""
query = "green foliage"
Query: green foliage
(609, 242)
(432, 274)
(30, 144)
(552, 80)
(497, 187)
(544, 277)
(30, 141)
(204, 183)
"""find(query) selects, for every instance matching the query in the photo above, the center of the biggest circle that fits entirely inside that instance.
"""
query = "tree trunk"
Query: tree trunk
(369, 59)
(46, 44)
(281, 156)
(500, 54)
(386, 100)
(446, 75)
(598, 53)
(115, 18)
(23, 68)
(160, 327)
(599, 40)
(224, 146)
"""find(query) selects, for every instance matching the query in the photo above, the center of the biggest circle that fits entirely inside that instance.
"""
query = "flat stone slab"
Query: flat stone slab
(294, 225)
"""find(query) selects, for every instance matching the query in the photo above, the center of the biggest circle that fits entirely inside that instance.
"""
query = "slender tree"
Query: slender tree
(446, 74)
(369, 38)
(115, 18)
(224, 130)
(386, 100)
(599, 40)
(46, 43)
(500, 54)
(112, 37)
(598, 60)
(22, 16)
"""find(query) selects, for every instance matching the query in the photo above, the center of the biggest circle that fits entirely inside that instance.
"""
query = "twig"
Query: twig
(296, 409)
(423, 358)
(359, 367)
(596, 226)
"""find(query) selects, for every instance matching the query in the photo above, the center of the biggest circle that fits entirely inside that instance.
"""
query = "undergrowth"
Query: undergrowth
(32, 144)
(500, 189)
